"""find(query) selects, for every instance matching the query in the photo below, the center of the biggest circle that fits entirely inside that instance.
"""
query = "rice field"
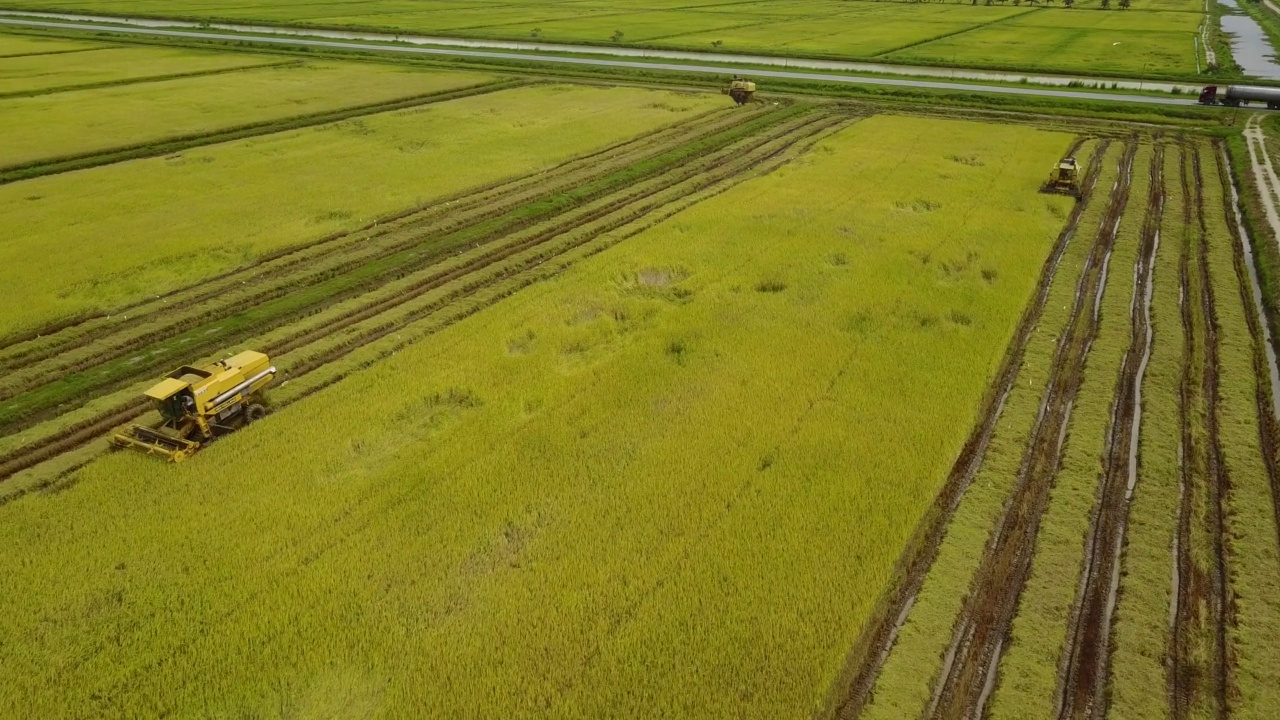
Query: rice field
(622, 401)
(1152, 37)
(1109, 550)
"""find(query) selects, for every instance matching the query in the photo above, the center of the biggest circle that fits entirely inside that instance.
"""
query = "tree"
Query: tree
(617, 35)
(1068, 3)
(1124, 4)
(1106, 4)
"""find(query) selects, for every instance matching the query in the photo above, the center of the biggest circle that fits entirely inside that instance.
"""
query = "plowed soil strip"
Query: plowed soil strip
(971, 660)
(737, 160)
(762, 158)
(1082, 685)
(923, 550)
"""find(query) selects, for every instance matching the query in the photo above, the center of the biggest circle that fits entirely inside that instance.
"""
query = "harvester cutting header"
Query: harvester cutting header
(198, 404)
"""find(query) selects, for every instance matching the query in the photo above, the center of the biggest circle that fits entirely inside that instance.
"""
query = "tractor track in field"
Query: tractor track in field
(40, 390)
(865, 665)
(971, 660)
(58, 336)
(1199, 616)
(180, 143)
(1265, 364)
(737, 161)
(1082, 689)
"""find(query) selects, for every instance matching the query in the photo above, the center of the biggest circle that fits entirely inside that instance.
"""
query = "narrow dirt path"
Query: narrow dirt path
(1264, 173)
(972, 657)
(1081, 692)
(866, 665)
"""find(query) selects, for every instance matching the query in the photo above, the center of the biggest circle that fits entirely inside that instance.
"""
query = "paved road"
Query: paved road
(722, 69)
(863, 68)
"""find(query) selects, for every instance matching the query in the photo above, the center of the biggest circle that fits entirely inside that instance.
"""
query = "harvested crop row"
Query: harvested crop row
(865, 662)
(1087, 663)
(1029, 672)
(1244, 408)
(902, 688)
(468, 295)
(1199, 663)
(981, 630)
(30, 402)
(1141, 631)
(335, 253)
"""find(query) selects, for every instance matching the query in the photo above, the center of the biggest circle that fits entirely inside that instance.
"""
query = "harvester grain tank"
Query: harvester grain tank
(197, 405)
(741, 90)
(1237, 95)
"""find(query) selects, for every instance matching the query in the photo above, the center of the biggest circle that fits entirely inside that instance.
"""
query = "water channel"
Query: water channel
(1250, 47)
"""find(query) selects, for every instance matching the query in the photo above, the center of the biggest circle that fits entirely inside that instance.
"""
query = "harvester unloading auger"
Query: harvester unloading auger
(197, 405)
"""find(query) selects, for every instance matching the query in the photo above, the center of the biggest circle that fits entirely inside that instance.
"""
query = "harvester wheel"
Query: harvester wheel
(254, 412)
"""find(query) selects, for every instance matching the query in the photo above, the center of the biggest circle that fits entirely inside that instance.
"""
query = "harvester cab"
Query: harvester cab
(1064, 179)
(197, 405)
(741, 90)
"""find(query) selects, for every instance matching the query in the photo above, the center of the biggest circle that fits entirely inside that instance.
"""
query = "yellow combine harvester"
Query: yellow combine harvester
(741, 90)
(198, 404)
(1064, 179)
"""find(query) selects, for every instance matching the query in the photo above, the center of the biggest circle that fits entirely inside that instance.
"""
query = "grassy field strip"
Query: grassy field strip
(1253, 542)
(356, 172)
(864, 663)
(977, 643)
(1139, 683)
(373, 308)
(1148, 41)
(904, 685)
(1156, 40)
(313, 368)
(515, 612)
(507, 195)
(23, 403)
(75, 129)
(16, 45)
(43, 74)
(445, 212)
(1028, 680)
(1197, 628)
(365, 326)
(528, 269)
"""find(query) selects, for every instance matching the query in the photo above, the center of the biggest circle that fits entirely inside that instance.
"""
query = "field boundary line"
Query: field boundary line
(379, 225)
(143, 80)
(852, 691)
(971, 28)
(179, 143)
(54, 52)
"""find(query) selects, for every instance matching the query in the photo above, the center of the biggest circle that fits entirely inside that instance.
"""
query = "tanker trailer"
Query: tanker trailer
(1237, 95)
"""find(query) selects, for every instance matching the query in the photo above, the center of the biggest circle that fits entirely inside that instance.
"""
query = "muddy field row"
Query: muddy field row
(1107, 542)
